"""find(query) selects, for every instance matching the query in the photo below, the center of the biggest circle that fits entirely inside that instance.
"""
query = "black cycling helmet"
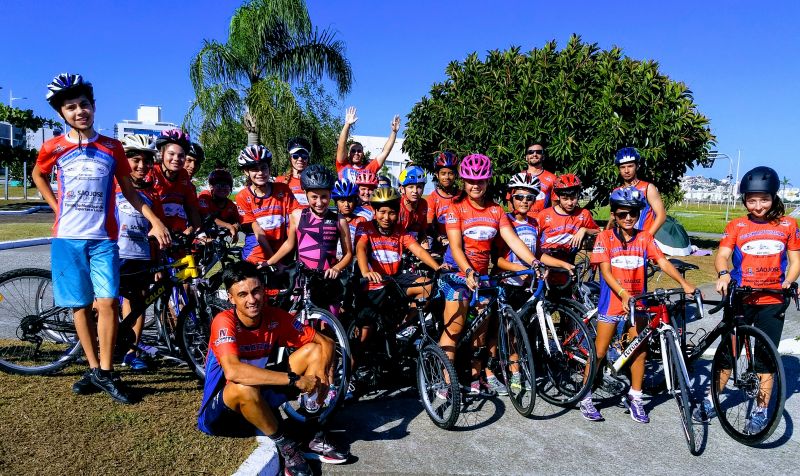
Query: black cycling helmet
(760, 180)
(196, 151)
(316, 176)
(220, 176)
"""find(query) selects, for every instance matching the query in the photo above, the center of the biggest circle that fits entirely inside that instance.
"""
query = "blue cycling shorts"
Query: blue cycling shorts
(84, 270)
(218, 419)
(611, 319)
(454, 287)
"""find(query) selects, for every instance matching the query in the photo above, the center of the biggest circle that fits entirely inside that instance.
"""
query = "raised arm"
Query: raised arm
(387, 147)
(350, 118)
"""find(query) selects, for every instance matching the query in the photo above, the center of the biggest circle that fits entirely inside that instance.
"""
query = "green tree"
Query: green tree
(271, 45)
(14, 157)
(785, 182)
(581, 102)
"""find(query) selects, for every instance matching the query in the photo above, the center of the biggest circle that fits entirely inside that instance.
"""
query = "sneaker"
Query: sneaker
(757, 421)
(516, 383)
(589, 411)
(110, 383)
(443, 393)
(636, 408)
(134, 362)
(322, 449)
(704, 412)
(350, 393)
(474, 388)
(84, 385)
(294, 463)
(496, 385)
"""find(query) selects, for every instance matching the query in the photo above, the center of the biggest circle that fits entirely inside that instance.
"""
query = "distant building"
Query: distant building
(10, 135)
(397, 159)
(37, 138)
(148, 122)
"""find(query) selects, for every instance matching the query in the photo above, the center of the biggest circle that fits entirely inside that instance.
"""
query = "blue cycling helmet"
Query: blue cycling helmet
(761, 179)
(343, 189)
(412, 175)
(627, 154)
(627, 197)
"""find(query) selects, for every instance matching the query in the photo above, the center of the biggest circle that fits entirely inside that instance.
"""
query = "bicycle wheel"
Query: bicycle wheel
(563, 356)
(36, 336)
(745, 374)
(438, 388)
(516, 361)
(682, 394)
(194, 331)
(327, 324)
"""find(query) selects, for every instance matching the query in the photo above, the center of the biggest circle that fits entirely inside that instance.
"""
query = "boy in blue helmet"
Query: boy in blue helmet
(413, 208)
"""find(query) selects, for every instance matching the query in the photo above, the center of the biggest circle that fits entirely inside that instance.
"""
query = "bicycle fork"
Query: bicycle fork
(545, 325)
(665, 357)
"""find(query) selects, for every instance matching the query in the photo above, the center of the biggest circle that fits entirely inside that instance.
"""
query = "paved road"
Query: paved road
(392, 434)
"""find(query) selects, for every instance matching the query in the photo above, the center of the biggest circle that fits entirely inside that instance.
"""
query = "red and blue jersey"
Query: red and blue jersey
(556, 231)
(133, 241)
(349, 171)
(647, 215)
(478, 228)
(272, 215)
(253, 346)
(528, 231)
(296, 187)
(385, 252)
(414, 221)
(86, 197)
(628, 266)
(437, 211)
(177, 196)
(224, 210)
(760, 253)
(545, 197)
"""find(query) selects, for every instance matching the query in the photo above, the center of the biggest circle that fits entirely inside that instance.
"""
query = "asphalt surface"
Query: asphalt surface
(392, 434)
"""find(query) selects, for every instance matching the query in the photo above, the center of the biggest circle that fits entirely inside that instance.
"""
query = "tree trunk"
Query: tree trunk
(252, 128)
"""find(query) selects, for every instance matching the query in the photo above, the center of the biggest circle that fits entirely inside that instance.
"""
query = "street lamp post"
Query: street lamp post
(11, 100)
(719, 155)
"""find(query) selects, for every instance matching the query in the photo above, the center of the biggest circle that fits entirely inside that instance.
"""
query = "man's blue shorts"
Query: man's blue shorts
(84, 270)
(219, 420)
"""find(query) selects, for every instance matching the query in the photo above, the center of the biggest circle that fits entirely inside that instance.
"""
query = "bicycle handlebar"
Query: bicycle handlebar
(734, 289)
(662, 295)
(494, 279)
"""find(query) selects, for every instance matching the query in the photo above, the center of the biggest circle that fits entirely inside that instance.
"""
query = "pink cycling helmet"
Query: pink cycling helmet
(475, 167)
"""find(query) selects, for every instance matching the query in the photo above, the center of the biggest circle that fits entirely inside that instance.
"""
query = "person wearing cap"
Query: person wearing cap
(653, 215)
(350, 161)
(534, 157)
(299, 155)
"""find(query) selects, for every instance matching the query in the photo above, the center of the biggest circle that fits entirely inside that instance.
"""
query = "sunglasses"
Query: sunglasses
(300, 156)
(535, 151)
(258, 167)
(529, 197)
(356, 151)
(625, 215)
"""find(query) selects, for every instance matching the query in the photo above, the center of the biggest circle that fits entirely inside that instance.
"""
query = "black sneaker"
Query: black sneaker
(323, 449)
(294, 463)
(84, 386)
(106, 381)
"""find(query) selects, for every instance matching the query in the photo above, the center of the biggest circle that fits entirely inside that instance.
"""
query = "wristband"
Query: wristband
(722, 273)
(293, 378)
(468, 271)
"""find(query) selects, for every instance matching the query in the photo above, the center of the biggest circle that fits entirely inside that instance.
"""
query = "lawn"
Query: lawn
(699, 218)
(20, 231)
(46, 429)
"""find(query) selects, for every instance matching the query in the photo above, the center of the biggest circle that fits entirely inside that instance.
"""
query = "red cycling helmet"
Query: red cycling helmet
(445, 159)
(567, 183)
(366, 178)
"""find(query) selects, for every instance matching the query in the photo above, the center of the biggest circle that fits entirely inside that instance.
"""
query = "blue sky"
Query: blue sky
(738, 57)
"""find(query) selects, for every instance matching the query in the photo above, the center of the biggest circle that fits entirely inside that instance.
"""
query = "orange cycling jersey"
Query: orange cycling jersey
(176, 197)
(272, 215)
(296, 187)
(545, 197)
(437, 210)
(414, 221)
(556, 230)
(349, 171)
(226, 211)
(628, 266)
(384, 251)
(477, 227)
(760, 254)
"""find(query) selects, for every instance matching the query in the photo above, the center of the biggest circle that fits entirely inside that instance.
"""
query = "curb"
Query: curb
(27, 211)
(263, 461)
(10, 245)
(785, 347)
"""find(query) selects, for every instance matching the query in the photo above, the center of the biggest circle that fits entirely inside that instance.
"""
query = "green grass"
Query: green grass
(21, 231)
(700, 218)
(48, 430)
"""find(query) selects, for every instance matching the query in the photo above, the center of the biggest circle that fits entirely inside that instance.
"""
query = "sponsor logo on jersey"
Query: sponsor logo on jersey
(762, 247)
(627, 262)
(386, 256)
(482, 233)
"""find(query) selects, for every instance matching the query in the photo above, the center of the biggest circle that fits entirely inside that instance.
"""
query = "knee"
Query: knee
(238, 394)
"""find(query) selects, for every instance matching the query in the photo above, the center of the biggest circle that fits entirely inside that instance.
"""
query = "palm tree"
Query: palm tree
(785, 183)
(271, 44)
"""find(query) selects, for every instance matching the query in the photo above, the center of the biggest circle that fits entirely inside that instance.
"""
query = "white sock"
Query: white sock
(588, 396)
(635, 394)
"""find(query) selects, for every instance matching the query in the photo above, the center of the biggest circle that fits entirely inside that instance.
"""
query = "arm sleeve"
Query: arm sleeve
(453, 221)
(223, 334)
(504, 222)
(729, 236)
(590, 223)
(373, 166)
(245, 213)
(794, 237)
(653, 251)
(122, 167)
(46, 159)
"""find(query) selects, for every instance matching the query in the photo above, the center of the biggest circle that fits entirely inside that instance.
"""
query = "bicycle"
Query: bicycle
(515, 356)
(745, 362)
(39, 338)
(562, 342)
(675, 370)
(297, 301)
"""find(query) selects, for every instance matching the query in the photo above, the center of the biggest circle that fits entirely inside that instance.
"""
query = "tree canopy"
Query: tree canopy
(582, 103)
(257, 78)
(22, 119)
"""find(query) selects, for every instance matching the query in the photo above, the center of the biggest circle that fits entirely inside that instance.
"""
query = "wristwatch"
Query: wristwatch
(293, 378)
(722, 273)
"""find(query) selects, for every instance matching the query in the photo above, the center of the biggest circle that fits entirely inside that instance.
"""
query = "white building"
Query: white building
(38, 137)
(10, 135)
(148, 122)
(397, 159)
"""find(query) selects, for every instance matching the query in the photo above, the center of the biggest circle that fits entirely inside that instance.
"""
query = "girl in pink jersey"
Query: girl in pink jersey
(764, 248)
(473, 221)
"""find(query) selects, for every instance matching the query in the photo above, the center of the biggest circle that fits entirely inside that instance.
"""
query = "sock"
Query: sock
(278, 438)
(588, 396)
(635, 394)
(708, 397)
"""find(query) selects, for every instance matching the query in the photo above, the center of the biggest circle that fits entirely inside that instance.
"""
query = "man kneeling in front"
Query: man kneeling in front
(241, 396)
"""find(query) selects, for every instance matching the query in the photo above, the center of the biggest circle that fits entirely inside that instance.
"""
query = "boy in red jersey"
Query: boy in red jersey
(195, 156)
(215, 202)
(622, 254)
(563, 227)
(84, 253)
(172, 183)
(413, 208)
(445, 166)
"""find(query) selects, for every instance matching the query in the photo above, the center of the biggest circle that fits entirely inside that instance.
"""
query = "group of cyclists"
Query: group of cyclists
(355, 229)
